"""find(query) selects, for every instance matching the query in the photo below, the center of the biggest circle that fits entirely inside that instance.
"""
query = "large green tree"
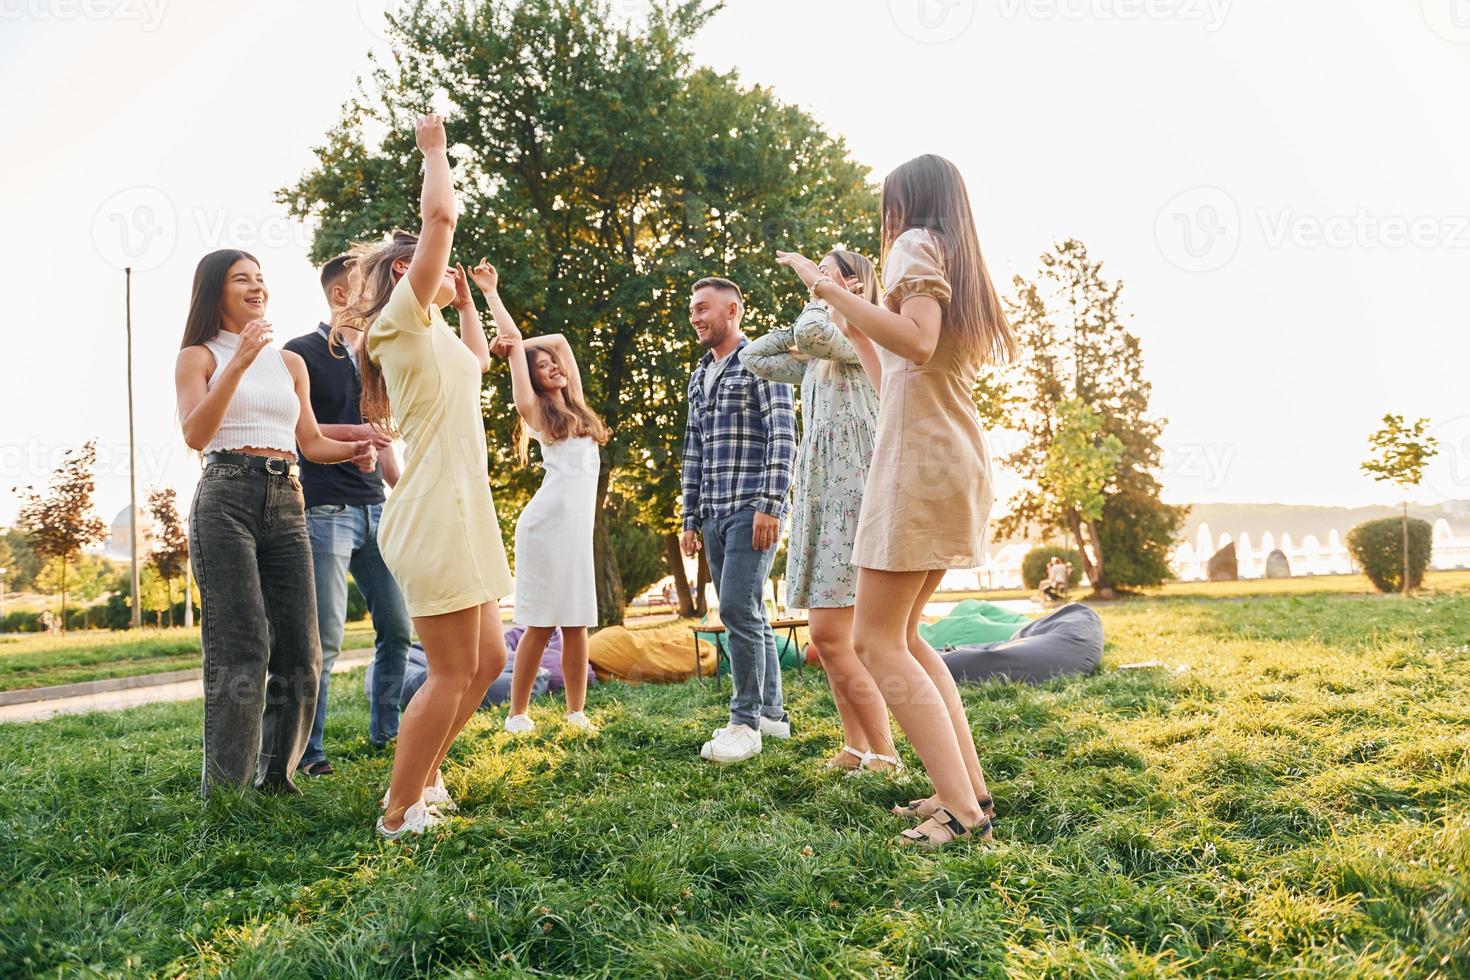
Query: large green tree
(1078, 396)
(604, 172)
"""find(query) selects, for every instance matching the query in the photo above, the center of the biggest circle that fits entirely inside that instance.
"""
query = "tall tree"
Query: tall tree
(22, 565)
(170, 541)
(604, 173)
(1401, 451)
(1077, 394)
(60, 523)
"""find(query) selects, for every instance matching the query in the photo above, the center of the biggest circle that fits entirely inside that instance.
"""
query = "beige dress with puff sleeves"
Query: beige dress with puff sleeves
(929, 489)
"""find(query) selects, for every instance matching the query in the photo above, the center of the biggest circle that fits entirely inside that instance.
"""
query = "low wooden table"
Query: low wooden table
(790, 626)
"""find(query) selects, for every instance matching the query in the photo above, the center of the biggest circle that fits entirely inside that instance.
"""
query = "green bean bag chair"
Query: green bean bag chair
(789, 653)
(972, 621)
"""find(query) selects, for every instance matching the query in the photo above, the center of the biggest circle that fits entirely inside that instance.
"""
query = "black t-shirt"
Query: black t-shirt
(335, 394)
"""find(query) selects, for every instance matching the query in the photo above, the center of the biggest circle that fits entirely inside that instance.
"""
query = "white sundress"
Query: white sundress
(555, 580)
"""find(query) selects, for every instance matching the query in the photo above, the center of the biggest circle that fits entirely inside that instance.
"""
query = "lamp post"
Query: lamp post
(137, 618)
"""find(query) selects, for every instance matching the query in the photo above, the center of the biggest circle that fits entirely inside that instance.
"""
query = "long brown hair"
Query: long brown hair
(371, 285)
(564, 416)
(928, 192)
(852, 265)
(204, 321)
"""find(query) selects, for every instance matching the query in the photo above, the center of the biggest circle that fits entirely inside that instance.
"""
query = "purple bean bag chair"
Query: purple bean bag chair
(550, 658)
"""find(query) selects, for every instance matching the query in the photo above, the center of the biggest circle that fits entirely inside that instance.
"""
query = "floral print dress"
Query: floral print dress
(840, 416)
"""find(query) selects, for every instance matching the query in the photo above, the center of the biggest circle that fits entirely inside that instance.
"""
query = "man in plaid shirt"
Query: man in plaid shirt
(739, 453)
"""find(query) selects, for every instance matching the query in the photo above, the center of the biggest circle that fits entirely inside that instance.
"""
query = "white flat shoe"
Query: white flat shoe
(579, 719)
(436, 797)
(735, 744)
(416, 819)
(519, 724)
(772, 728)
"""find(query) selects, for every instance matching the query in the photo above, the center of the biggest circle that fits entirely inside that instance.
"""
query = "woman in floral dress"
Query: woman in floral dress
(837, 372)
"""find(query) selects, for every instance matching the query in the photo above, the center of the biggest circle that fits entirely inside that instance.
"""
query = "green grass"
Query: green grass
(30, 660)
(1292, 802)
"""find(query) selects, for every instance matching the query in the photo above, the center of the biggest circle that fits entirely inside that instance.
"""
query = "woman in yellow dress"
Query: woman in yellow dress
(928, 493)
(439, 534)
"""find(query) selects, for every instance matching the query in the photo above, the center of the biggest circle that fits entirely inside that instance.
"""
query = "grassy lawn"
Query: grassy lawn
(1293, 800)
(30, 660)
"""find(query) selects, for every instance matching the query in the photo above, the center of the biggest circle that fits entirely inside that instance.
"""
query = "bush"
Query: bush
(21, 621)
(1378, 548)
(640, 554)
(356, 602)
(1033, 566)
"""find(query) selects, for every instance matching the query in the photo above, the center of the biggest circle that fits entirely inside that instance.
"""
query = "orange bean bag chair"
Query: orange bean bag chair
(661, 655)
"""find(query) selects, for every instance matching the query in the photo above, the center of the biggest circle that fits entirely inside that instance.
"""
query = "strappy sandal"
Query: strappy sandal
(944, 823)
(832, 763)
(922, 809)
(868, 757)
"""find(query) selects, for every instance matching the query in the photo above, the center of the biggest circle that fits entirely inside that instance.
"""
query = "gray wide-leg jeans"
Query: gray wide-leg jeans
(262, 656)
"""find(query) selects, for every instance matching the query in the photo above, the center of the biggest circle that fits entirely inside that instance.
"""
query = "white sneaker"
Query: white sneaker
(416, 819)
(735, 744)
(437, 798)
(520, 724)
(776, 729)
(579, 719)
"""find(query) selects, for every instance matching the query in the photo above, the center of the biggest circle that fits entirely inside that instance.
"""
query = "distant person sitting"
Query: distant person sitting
(1058, 578)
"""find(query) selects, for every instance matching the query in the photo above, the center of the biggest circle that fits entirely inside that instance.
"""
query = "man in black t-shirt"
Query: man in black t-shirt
(343, 506)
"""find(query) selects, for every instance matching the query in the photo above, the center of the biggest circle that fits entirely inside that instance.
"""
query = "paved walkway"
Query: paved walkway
(114, 699)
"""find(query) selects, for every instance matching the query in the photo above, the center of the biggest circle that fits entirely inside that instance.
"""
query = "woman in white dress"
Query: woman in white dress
(556, 585)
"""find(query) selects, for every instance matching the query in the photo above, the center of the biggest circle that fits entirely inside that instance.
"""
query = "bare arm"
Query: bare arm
(388, 464)
(314, 445)
(471, 332)
(912, 333)
(520, 383)
(437, 208)
(202, 408)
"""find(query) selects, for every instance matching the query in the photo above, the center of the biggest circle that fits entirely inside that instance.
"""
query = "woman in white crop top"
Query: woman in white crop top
(246, 406)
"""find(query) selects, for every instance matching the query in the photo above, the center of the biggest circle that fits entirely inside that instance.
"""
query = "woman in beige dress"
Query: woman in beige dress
(439, 535)
(928, 493)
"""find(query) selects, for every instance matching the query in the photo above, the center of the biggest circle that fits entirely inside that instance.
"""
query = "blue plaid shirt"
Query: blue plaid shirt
(740, 447)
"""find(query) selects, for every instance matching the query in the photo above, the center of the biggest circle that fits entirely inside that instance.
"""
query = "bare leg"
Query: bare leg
(491, 654)
(451, 645)
(885, 601)
(861, 708)
(943, 680)
(574, 666)
(528, 662)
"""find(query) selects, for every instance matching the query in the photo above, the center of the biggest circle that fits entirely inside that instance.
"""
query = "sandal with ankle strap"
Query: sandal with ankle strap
(920, 808)
(867, 757)
(944, 823)
(848, 750)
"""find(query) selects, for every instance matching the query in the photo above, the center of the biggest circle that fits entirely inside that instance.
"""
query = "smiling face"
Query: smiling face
(244, 296)
(714, 313)
(546, 372)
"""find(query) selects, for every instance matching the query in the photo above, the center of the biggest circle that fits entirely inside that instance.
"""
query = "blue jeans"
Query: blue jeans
(343, 538)
(738, 573)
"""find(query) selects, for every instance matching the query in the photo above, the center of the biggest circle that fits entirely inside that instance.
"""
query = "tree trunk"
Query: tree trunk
(1093, 569)
(63, 595)
(168, 586)
(701, 604)
(1101, 586)
(1406, 547)
(611, 602)
(674, 558)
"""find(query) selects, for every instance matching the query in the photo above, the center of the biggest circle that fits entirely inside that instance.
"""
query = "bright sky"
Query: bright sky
(1280, 185)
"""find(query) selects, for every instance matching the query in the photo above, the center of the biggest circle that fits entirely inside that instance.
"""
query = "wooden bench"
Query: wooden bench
(789, 626)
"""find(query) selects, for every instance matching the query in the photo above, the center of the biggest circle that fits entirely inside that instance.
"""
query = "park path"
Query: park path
(192, 688)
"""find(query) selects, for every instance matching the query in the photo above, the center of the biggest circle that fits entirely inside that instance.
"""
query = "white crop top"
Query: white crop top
(264, 410)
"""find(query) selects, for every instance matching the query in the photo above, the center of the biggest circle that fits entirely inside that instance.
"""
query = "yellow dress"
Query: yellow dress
(439, 535)
(929, 490)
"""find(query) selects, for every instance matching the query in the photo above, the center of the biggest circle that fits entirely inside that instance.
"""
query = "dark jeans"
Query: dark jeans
(739, 574)
(345, 537)
(262, 664)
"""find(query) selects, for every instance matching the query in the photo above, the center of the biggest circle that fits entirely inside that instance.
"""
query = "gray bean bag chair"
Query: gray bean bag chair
(417, 671)
(1069, 641)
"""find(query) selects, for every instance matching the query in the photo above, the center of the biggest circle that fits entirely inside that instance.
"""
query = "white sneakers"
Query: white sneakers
(416, 819)
(579, 719)
(519, 724)
(733, 743)
(436, 797)
(776, 729)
